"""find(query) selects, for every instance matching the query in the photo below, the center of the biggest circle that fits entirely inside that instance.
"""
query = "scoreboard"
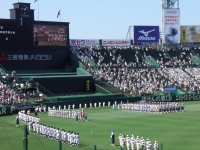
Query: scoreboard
(26, 44)
(8, 32)
(37, 34)
(21, 30)
(50, 34)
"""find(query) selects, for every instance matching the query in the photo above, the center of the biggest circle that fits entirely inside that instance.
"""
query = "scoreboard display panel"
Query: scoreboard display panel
(50, 35)
(8, 33)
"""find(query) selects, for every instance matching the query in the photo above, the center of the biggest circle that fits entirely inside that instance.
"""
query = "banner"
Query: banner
(170, 97)
(25, 57)
(13, 109)
(171, 26)
(190, 34)
(146, 34)
(116, 42)
(3, 111)
(197, 33)
(37, 58)
(82, 42)
(170, 89)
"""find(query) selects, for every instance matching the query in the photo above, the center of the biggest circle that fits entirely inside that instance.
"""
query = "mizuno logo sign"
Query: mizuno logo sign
(146, 35)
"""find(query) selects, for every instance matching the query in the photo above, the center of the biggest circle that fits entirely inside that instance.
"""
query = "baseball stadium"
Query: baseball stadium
(138, 93)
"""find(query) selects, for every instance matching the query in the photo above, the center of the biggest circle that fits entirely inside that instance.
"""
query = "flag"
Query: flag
(35, 1)
(58, 14)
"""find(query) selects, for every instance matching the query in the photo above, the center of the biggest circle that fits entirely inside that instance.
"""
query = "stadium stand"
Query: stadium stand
(140, 70)
(15, 91)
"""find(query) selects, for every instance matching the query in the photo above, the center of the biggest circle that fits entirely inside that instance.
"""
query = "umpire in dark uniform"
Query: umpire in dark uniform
(112, 136)
(17, 120)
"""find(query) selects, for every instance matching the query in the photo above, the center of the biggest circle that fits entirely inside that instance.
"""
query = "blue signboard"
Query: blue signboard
(146, 34)
(170, 89)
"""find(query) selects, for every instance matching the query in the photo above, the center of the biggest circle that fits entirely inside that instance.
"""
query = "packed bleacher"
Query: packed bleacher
(16, 91)
(143, 70)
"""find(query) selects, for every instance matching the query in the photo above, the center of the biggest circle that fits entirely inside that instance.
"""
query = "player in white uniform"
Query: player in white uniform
(78, 139)
(148, 144)
(103, 104)
(137, 143)
(155, 146)
(127, 142)
(132, 141)
(120, 140)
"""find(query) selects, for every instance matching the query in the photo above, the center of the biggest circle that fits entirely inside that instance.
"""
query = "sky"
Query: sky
(104, 19)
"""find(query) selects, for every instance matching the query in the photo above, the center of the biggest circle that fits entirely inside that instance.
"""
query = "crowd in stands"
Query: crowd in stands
(194, 72)
(186, 80)
(14, 91)
(180, 47)
(133, 69)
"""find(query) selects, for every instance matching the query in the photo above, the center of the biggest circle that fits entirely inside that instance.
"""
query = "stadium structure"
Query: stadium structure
(37, 56)
(152, 70)
(45, 67)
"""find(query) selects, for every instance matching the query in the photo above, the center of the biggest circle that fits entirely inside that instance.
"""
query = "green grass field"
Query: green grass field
(180, 131)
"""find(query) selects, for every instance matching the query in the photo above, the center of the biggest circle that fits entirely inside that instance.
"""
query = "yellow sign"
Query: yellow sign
(190, 34)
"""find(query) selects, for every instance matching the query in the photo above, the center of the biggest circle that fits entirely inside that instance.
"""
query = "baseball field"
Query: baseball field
(175, 131)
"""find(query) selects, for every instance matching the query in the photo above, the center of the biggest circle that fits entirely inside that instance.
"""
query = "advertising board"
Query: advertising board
(146, 34)
(110, 42)
(34, 58)
(84, 42)
(171, 26)
(190, 34)
(170, 89)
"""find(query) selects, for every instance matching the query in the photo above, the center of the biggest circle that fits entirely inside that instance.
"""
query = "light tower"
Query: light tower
(170, 21)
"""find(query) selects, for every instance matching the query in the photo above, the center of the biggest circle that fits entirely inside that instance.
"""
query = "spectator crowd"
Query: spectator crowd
(142, 71)
(16, 91)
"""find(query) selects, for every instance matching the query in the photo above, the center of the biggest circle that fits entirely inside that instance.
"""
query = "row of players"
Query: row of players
(69, 113)
(69, 137)
(34, 126)
(73, 106)
(137, 143)
(27, 118)
(158, 107)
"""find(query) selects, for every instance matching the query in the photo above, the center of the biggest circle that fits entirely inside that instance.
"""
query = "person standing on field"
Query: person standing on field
(112, 138)
(17, 120)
